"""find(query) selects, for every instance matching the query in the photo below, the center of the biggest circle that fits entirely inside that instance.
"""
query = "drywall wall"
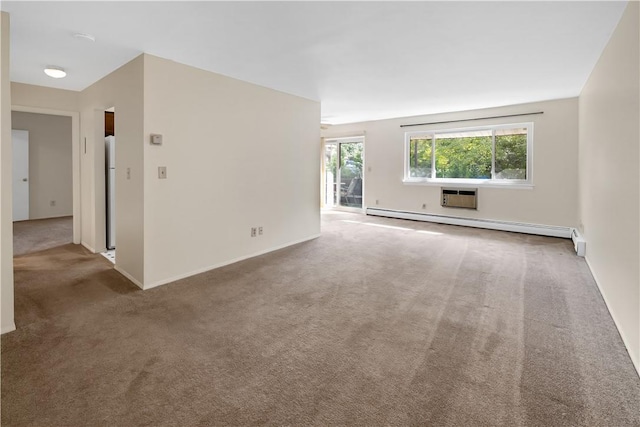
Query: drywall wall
(237, 156)
(50, 165)
(6, 213)
(44, 97)
(609, 176)
(123, 90)
(551, 201)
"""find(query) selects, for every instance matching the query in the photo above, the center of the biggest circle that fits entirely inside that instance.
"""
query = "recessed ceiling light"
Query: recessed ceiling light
(84, 36)
(55, 72)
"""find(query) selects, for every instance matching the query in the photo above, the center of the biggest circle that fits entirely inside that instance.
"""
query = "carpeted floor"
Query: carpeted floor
(377, 322)
(40, 234)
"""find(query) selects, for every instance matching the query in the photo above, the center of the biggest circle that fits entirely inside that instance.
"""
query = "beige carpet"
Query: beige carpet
(40, 234)
(377, 322)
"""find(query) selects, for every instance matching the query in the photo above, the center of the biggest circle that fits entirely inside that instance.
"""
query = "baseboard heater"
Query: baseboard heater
(517, 227)
(578, 242)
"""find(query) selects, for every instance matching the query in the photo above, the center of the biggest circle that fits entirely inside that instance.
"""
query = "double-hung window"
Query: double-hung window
(489, 154)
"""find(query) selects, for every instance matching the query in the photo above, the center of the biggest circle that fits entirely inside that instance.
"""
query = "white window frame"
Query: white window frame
(493, 182)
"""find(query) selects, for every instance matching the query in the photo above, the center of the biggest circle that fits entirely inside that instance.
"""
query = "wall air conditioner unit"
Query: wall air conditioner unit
(459, 198)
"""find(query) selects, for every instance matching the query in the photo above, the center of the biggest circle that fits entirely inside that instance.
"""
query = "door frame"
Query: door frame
(75, 158)
(346, 140)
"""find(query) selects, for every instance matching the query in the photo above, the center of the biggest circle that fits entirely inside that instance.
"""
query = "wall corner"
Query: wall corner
(6, 208)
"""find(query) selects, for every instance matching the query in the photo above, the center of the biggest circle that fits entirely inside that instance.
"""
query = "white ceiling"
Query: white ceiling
(362, 60)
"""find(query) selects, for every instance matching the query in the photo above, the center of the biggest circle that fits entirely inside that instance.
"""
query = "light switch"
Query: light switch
(162, 172)
(156, 139)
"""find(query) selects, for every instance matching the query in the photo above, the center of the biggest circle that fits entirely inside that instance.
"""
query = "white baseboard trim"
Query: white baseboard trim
(89, 248)
(542, 230)
(636, 364)
(222, 264)
(10, 328)
(51, 217)
(128, 276)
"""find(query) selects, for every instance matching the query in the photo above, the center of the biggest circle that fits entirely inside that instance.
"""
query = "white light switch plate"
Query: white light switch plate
(162, 172)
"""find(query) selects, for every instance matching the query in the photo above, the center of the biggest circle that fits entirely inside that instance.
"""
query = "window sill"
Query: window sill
(470, 183)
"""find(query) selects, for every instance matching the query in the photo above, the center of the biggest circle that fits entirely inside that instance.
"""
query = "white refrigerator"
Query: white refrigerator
(110, 160)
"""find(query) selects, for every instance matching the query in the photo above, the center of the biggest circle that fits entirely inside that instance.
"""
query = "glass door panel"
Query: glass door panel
(331, 175)
(351, 174)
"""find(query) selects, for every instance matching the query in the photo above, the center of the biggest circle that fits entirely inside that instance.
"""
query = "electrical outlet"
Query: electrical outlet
(377, 201)
(424, 206)
(260, 231)
(52, 203)
(253, 232)
(128, 173)
(162, 172)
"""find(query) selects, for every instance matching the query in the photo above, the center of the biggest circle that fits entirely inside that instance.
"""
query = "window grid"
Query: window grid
(422, 135)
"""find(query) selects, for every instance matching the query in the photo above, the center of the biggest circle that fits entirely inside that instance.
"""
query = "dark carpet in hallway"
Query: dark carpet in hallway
(377, 322)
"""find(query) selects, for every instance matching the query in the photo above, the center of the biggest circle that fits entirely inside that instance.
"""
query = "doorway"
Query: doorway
(43, 205)
(343, 173)
(110, 184)
(75, 163)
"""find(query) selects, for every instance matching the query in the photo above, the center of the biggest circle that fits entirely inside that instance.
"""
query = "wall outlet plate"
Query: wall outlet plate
(156, 139)
(162, 172)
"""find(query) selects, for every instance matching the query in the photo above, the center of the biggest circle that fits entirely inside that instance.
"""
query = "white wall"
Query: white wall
(609, 176)
(44, 97)
(237, 155)
(122, 89)
(50, 165)
(6, 214)
(552, 201)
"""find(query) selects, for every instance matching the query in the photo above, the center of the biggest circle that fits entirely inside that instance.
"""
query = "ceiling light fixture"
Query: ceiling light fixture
(55, 72)
(84, 36)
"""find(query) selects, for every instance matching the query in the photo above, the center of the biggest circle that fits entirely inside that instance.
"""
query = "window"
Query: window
(491, 154)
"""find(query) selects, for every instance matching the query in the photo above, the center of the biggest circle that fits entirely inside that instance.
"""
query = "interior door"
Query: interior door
(20, 140)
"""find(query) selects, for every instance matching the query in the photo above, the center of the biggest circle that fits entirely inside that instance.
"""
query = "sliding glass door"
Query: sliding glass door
(344, 160)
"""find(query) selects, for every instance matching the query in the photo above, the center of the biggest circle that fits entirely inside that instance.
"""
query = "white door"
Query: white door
(20, 140)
